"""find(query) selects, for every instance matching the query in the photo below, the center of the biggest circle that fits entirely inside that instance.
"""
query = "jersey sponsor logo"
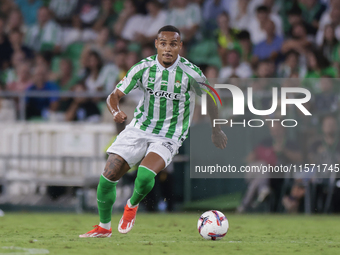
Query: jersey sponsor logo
(164, 83)
(168, 145)
(167, 95)
(151, 80)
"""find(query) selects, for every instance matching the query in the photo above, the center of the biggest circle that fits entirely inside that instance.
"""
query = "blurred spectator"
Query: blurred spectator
(5, 46)
(109, 12)
(332, 16)
(15, 22)
(24, 78)
(265, 69)
(63, 11)
(330, 43)
(272, 5)
(234, 67)
(29, 10)
(312, 11)
(65, 78)
(275, 150)
(327, 100)
(325, 150)
(43, 59)
(9, 75)
(120, 44)
(46, 34)
(87, 12)
(291, 66)
(295, 17)
(144, 28)
(271, 46)
(246, 46)
(120, 61)
(292, 201)
(211, 72)
(16, 40)
(151, 23)
(41, 106)
(5, 7)
(132, 59)
(129, 12)
(240, 13)
(89, 18)
(318, 65)
(79, 108)
(148, 50)
(257, 24)
(101, 45)
(186, 17)
(7, 109)
(210, 10)
(225, 35)
(299, 41)
(100, 77)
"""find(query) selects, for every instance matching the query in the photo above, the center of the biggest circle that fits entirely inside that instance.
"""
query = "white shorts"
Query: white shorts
(133, 144)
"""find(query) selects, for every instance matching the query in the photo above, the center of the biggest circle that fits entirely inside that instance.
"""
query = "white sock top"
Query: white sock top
(130, 205)
(107, 226)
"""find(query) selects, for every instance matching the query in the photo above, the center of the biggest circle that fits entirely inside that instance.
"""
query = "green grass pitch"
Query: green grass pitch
(28, 233)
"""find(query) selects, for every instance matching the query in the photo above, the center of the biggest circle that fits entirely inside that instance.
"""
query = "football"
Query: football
(213, 225)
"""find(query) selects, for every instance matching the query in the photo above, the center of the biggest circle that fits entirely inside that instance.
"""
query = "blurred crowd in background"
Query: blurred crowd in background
(89, 45)
(71, 45)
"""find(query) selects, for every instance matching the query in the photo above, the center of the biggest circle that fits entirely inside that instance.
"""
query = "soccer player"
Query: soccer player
(160, 125)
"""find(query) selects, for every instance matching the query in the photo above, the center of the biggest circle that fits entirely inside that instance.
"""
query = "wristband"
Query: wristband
(114, 113)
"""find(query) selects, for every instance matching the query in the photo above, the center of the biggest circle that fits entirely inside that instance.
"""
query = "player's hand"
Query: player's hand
(219, 138)
(119, 117)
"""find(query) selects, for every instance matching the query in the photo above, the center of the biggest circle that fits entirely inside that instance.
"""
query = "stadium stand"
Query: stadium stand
(88, 46)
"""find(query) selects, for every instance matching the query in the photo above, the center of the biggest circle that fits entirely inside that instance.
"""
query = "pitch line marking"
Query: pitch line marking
(24, 251)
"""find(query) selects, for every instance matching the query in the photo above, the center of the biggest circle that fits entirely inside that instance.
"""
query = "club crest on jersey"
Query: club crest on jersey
(178, 84)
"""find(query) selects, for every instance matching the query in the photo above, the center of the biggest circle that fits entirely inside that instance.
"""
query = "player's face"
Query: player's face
(168, 45)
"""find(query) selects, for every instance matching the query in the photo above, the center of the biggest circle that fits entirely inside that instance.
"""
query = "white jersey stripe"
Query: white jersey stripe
(151, 116)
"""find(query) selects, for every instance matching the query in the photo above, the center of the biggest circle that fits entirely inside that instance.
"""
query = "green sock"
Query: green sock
(143, 184)
(106, 196)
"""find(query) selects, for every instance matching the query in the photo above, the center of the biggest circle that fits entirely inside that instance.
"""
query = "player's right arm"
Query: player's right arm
(112, 103)
(131, 81)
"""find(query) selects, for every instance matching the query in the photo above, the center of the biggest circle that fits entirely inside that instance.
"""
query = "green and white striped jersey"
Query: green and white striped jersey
(48, 36)
(169, 96)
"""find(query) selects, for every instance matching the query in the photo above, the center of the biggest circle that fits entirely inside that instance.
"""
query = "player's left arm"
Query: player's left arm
(218, 137)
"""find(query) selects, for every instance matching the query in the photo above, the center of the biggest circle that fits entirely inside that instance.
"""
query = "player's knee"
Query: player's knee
(111, 175)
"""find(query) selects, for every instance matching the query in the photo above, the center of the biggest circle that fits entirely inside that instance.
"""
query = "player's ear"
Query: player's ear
(156, 42)
(180, 45)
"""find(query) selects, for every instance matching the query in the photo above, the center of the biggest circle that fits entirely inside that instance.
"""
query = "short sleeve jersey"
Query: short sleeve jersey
(169, 96)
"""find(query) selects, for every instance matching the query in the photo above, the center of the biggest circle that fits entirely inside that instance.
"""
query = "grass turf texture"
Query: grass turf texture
(172, 234)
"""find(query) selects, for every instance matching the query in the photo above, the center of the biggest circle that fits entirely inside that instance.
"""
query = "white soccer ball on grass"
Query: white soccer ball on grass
(213, 225)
